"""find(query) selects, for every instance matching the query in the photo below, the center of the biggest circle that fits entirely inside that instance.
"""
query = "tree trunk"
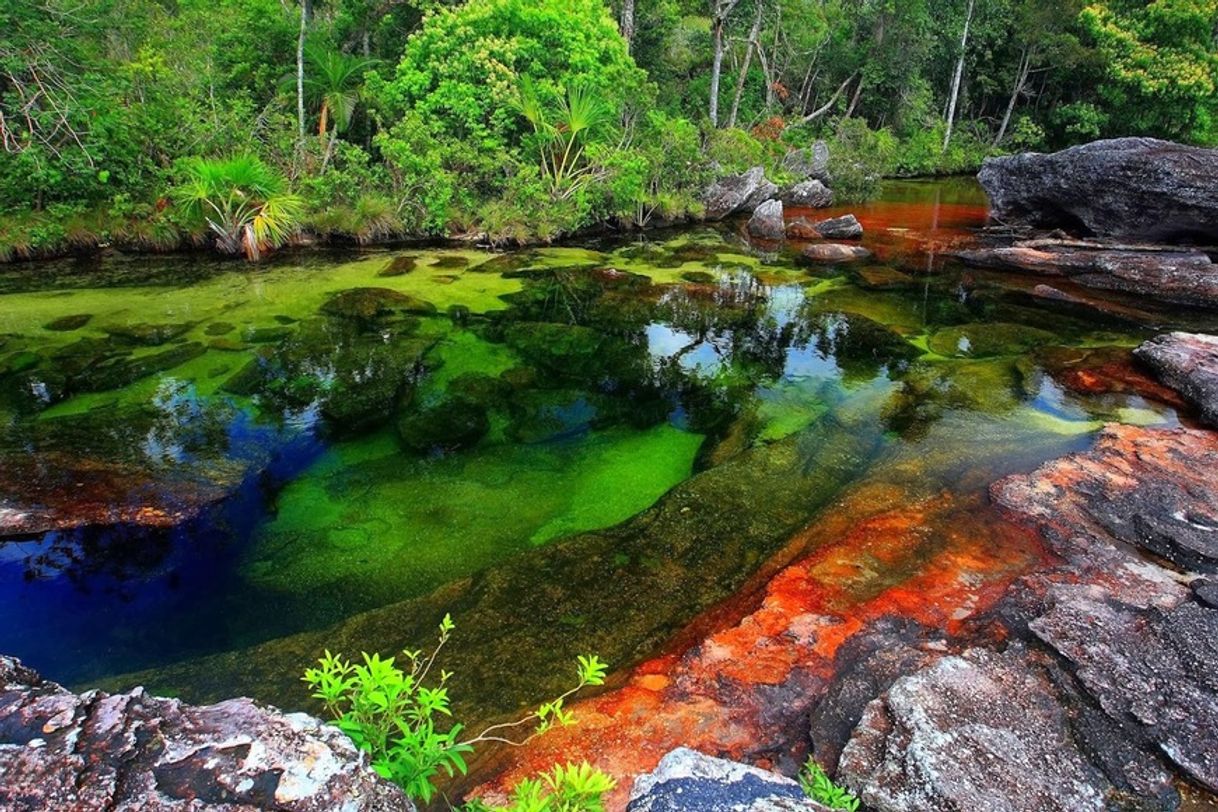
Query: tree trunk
(300, 42)
(1021, 78)
(955, 96)
(720, 9)
(626, 24)
(744, 70)
(824, 108)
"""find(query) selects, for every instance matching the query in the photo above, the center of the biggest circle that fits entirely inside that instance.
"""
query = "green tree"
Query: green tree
(244, 203)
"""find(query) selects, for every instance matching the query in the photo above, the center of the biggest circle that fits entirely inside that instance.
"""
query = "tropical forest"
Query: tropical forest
(608, 405)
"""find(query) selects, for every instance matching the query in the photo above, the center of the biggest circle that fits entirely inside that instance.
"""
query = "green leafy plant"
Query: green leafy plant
(398, 717)
(562, 129)
(570, 788)
(818, 786)
(244, 202)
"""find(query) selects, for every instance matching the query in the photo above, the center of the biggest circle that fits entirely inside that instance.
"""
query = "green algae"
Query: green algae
(367, 526)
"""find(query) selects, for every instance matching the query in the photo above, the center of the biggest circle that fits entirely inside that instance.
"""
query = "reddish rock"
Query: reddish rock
(131, 752)
(1103, 371)
(802, 229)
(830, 253)
(1187, 362)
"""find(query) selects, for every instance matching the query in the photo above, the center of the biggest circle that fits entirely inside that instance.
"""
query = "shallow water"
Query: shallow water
(576, 448)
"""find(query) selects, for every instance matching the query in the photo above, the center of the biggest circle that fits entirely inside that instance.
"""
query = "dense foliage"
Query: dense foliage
(414, 117)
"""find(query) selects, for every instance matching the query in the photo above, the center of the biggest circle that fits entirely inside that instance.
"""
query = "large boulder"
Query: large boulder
(1127, 188)
(688, 781)
(738, 194)
(766, 222)
(846, 227)
(1187, 362)
(810, 194)
(133, 752)
(978, 731)
(809, 163)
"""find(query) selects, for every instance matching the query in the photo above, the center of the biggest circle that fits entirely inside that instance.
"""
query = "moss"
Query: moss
(398, 266)
(987, 340)
(66, 324)
(452, 424)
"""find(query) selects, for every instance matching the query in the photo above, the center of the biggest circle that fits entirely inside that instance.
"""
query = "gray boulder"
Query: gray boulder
(737, 194)
(1188, 363)
(810, 194)
(976, 731)
(812, 162)
(846, 227)
(766, 222)
(1128, 188)
(137, 753)
(688, 781)
(832, 253)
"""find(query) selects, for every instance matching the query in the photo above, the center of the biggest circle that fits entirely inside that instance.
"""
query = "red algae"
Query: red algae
(744, 690)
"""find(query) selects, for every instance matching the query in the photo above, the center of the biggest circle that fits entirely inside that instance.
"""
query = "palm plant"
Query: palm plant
(333, 82)
(563, 130)
(244, 202)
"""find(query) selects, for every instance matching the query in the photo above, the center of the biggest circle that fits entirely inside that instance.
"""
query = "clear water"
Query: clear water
(570, 449)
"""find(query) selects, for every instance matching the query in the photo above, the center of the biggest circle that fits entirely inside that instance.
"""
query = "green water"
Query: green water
(570, 448)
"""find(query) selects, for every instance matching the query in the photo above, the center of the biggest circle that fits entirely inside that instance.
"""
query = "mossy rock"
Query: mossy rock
(929, 391)
(458, 314)
(398, 266)
(699, 277)
(116, 373)
(19, 362)
(285, 320)
(66, 324)
(507, 263)
(987, 340)
(542, 415)
(368, 304)
(447, 426)
(150, 335)
(265, 335)
(520, 377)
(219, 328)
(477, 387)
(450, 261)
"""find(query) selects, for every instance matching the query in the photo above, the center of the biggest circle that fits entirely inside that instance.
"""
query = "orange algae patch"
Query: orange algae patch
(744, 689)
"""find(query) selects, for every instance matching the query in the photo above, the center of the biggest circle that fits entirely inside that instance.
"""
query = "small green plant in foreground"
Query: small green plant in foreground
(818, 786)
(398, 717)
(573, 788)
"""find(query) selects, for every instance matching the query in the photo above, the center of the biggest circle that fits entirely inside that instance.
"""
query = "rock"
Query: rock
(977, 731)
(829, 253)
(447, 426)
(367, 304)
(398, 266)
(1206, 591)
(801, 228)
(66, 324)
(812, 162)
(1129, 188)
(846, 227)
(219, 328)
(688, 781)
(1187, 362)
(766, 222)
(133, 752)
(152, 335)
(1153, 667)
(1179, 277)
(738, 194)
(810, 194)
(882, 277)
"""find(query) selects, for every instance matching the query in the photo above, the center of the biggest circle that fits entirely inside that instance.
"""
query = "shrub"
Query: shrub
(573, 788)
(859, 159)
(397, 716)
(818, 786)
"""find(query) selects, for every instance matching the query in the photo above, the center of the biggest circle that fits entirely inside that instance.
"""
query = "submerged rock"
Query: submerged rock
(366, 304)
(96, 752)
(447, 426)
(1130, 188)
(830, 253)
(66, 324)
(398, 266)
(987, 340)
(738, 194)
(152, 335)
(688, 781)
(1187, 362)
(766, 222)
